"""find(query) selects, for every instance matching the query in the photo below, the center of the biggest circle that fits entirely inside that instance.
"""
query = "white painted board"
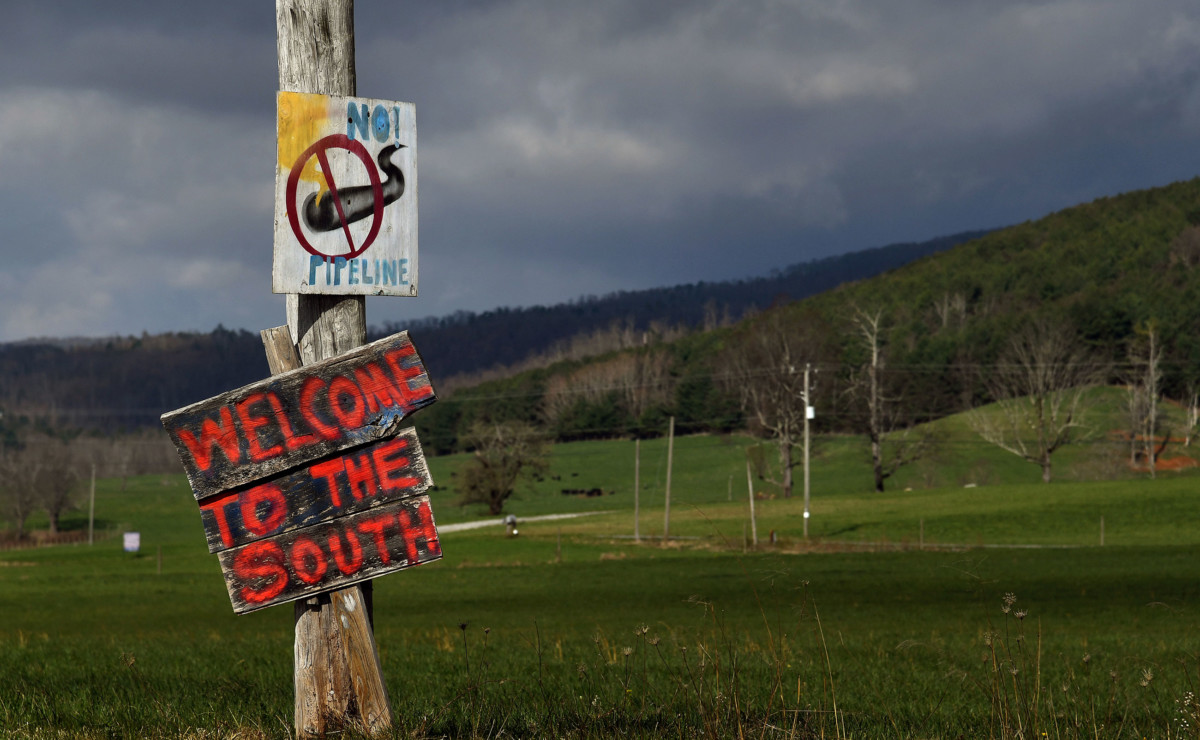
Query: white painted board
(345, 196)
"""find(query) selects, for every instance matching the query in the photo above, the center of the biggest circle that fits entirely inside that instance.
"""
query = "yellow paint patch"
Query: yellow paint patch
(302, 116)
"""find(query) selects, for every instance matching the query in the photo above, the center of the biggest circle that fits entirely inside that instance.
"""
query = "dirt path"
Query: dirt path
(460, 526)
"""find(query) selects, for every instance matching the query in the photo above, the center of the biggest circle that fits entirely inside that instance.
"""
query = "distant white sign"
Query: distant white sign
(345, 196)
(133, 541)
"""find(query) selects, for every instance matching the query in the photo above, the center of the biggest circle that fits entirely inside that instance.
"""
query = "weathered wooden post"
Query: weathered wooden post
(315, 46)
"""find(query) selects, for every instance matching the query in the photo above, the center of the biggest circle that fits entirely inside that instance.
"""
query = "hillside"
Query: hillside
(125, 382)
(1105, 269)
(470, 342)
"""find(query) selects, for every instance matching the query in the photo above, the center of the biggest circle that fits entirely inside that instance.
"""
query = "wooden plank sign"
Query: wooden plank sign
(305, 481)
(330, 555)
(345, 196)
(301, 415)
(359, 480)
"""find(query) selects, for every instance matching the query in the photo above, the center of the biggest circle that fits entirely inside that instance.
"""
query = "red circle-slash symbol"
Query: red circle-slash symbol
(319, 150)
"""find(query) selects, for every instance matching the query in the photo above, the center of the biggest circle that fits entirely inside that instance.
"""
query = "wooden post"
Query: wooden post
(1102, 530)
(670, 454)
(637, 472)
(753, 524)
(807, 406)
(338, 677)
(92, 509)
(337, 673)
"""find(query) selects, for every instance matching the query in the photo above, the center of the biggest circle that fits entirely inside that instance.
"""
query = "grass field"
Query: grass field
(574, 630)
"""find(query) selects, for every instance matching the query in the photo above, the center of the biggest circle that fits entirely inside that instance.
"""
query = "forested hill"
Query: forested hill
(470, 342)
(1109, 271)
(126, 382)
(1104, 275)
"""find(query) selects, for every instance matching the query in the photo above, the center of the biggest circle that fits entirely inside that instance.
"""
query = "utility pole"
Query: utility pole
(637, 469)
(808, 414)
(750, 488)
(337, 674)
(670, 454)
(92, 509)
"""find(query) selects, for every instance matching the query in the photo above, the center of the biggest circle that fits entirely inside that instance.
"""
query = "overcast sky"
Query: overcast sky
(569, 147)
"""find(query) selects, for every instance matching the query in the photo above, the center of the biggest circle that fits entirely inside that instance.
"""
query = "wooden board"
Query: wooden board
(334, 554)
(357, 480)
(302, 415)
(345, 196)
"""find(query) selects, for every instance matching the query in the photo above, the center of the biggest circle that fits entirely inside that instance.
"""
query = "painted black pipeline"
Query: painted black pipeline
(357, 201)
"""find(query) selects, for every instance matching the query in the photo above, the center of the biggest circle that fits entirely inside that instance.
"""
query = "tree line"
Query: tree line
(47, 471)
(1031, 400)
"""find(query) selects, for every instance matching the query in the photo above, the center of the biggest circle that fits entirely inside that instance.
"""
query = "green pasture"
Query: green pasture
(573, 629)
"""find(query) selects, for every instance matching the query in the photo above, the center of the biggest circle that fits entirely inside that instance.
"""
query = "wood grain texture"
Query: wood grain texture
(327, 325)
(304, 414)
(315, 45)
(352, 610)
(357, 480)
(281, 350)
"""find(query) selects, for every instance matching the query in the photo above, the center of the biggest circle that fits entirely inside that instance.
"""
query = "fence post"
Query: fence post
(637, 472)
(753, 524)
(670, 454)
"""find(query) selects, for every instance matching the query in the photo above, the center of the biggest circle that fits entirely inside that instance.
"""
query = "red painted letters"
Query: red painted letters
(331, 555)
(293, 418)
(223, 434)
(261, 565)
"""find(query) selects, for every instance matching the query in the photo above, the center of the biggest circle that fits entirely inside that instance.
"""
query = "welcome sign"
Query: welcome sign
(306, 482)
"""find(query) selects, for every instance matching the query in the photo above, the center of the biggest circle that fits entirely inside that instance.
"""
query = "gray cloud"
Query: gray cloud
(570, 148)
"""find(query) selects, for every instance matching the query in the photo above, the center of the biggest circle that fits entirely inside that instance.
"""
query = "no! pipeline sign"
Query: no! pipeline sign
(306, 482)
(345, 196)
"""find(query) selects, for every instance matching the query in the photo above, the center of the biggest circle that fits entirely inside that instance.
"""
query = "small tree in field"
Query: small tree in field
(18, 487)
(505, 453)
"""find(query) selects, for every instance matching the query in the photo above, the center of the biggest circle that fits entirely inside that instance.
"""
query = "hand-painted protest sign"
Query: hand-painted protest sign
(330, 555)
(304, 480)
(301, 415)
(345, 196)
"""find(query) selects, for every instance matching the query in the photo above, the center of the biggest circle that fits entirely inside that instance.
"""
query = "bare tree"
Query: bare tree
(1040, 384)
(1144, 384)
(505, 453)
(40, 474)
(18, 487)
(766, 370)
(57, 478)
(639, 378)
(892, 444)
(1192, 412)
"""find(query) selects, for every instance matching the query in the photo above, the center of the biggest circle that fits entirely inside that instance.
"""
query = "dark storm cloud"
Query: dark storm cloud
(570, 147)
